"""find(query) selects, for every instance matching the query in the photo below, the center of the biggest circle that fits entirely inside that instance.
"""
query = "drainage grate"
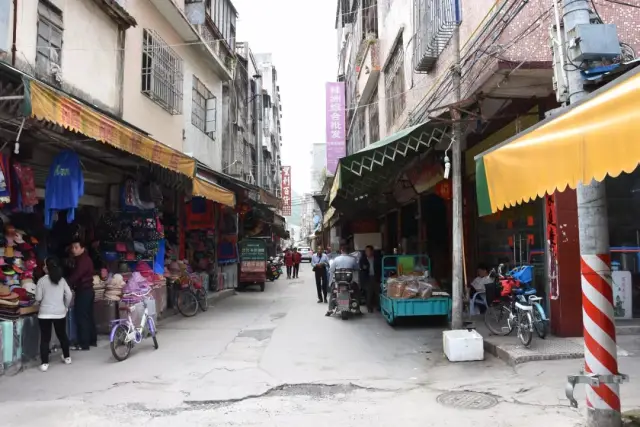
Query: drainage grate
(467, 400)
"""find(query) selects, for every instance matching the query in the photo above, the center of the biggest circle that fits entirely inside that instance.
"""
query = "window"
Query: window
(203, 109)
(223, 15)
(374, 118)
(49, 41)
(394, 83)
(161, 73)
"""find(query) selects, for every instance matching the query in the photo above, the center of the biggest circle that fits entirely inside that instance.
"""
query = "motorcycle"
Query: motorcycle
(274, 270)
(345, 294)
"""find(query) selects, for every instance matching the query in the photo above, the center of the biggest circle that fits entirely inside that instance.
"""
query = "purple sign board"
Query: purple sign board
(336, 132)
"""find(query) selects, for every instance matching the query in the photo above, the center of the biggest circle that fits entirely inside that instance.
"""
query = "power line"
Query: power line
(622, 3)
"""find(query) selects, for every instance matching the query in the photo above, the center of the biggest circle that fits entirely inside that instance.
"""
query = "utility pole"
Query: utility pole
(456, 166)
(603, 396)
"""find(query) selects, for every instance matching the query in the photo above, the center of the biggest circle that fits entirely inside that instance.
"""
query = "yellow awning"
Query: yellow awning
(49, 104)
(593, 139)
(213, 192)
(328, 216)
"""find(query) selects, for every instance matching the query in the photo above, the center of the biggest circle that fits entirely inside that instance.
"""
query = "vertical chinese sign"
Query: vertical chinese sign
(552, 243)
(336, 135)
(285, 173)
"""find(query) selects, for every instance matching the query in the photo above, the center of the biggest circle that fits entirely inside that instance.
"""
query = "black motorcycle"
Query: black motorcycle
(346, 294)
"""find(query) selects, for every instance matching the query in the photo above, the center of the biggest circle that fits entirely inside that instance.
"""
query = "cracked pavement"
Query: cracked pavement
(273, 359)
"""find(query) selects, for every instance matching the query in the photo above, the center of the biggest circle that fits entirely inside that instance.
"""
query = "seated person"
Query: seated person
(478, 286)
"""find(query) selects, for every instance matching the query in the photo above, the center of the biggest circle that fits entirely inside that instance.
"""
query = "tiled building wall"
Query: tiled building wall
(530, 30)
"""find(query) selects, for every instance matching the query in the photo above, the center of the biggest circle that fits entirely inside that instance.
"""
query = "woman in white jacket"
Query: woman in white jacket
(54, 295)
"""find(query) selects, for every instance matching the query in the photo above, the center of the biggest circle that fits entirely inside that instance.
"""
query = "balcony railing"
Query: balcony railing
(435, 21)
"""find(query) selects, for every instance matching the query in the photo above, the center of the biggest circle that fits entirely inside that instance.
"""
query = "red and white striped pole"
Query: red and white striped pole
(600, 349)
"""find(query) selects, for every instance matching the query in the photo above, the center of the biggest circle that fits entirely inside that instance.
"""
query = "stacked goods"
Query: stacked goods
(114, 288)
(413, 287)
(99, 287)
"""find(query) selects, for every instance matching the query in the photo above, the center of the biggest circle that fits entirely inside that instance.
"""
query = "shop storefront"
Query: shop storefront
(557, 154)
(75, 174)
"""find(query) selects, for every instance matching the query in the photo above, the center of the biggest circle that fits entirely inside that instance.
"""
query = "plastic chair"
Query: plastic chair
(477, 298)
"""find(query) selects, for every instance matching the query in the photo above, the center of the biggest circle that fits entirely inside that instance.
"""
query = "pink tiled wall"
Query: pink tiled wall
(534, 47)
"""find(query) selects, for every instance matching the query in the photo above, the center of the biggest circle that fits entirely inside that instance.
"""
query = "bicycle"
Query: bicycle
(519, 307)
(189, 296)
(126, 335)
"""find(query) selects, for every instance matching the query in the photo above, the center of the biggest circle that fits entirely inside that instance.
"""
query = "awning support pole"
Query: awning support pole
(456, 170)
(600, 352)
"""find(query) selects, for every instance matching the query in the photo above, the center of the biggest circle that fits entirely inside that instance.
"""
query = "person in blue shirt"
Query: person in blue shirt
(320, 265)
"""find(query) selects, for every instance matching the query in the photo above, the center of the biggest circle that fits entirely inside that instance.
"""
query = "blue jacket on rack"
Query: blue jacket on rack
(65, 186)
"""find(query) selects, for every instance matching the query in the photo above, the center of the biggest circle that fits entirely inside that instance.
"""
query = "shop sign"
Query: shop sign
(48, 104)
(336, 135)
(443, 189)
(552, 244)
(285, 174)
(622, 294)
(424, 177)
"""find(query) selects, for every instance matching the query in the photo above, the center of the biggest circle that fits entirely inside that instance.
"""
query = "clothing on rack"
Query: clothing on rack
(64, 187)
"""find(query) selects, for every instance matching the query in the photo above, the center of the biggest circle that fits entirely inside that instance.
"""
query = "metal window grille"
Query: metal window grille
(374, 118)
(203, 108)
(435, 21)
(162, 77)
(49, 41)
(394, 84)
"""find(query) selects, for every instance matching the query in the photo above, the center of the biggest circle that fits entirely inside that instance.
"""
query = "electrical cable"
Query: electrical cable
(622, 3)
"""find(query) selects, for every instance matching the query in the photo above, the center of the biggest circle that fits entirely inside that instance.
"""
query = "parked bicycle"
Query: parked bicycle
(190, 295)
(125, 334)
(513, 303)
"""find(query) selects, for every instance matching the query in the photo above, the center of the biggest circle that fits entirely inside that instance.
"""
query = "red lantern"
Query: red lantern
(443, 189)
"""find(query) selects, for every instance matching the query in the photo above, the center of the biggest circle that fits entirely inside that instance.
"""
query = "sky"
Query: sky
(302, 40)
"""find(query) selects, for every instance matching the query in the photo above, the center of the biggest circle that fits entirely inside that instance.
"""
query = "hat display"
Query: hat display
(17, 266)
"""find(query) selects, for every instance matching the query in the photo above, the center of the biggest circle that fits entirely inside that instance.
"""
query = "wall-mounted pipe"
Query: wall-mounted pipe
(14, 48)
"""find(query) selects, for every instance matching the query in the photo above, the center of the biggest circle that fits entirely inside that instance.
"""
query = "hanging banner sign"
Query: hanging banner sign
(552, 243)
(336, 132)
(285, 174)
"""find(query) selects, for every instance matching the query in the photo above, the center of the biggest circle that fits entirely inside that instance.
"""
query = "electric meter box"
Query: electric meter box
(594, 42)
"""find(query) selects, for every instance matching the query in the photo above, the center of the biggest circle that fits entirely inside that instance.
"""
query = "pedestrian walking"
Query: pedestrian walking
(54, 295)
(370, 267)
(81, 281)
(288, 262)
(320, 265)
(297, 259)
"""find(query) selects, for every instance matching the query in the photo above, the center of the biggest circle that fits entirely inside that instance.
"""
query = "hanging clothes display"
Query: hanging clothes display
(200, 214)
(5, 176)
(64, 187)
(24, 188)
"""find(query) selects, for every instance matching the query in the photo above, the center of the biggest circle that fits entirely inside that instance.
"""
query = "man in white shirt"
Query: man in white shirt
(320, 265)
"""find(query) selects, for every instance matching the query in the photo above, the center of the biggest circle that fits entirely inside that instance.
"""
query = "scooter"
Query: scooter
(273, 271)
(347, 300)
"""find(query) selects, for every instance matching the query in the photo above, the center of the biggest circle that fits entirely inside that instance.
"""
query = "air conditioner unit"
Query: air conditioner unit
(251, 179)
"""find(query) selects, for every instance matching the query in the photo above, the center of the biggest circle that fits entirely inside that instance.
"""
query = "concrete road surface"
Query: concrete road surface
(273, 359)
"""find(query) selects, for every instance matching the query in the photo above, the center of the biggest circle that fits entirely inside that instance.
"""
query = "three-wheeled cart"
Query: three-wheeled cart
(393, 308)
(253, 263)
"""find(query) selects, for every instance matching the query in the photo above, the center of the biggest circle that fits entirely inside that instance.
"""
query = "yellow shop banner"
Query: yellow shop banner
(53, 106)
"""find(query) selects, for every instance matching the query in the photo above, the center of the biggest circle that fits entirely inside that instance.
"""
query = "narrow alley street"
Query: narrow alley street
(273, 359)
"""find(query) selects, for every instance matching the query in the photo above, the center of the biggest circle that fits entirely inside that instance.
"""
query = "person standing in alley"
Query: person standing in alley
(370, 267)
(297, 259)
(81, 281)
(54, 296)
(288, 262)
(319, 265)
